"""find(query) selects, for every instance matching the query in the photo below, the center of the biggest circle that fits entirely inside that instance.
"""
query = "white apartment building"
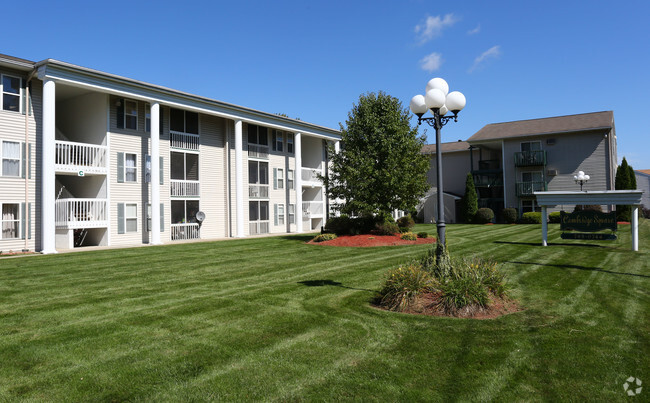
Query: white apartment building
(94, 159)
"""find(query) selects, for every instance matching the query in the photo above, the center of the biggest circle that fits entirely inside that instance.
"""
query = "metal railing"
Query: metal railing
(185, 141)
(181, 188)
(258, 151)
(527, 188)
(312, 209)
(81, 213)
(74, 157)
(185, 231)
(258, 191)
(530, 158)
(258, 227)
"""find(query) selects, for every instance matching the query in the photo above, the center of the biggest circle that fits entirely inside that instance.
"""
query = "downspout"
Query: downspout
(27, 162)
(228, 182)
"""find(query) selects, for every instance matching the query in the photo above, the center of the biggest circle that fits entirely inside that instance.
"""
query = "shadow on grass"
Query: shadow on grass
(583, 245)
(322, 283)
(301, 237)
(573, 266)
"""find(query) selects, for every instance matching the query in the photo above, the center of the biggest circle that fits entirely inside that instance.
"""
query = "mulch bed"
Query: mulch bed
(365, 241)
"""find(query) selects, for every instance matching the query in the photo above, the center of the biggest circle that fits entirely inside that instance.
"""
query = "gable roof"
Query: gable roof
(446, 147)
(643, 171)
(553, 125)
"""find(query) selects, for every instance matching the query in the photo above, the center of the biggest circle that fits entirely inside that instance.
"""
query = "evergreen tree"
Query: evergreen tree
(624, 180)
(469, 202)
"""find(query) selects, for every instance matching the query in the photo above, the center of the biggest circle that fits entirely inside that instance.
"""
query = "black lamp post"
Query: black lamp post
(581, 178)
(439, 101)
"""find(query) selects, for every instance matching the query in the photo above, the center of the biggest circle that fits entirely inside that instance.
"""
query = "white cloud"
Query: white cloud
(475, 30)
(432, 27)
(492, 53)
(431, 62)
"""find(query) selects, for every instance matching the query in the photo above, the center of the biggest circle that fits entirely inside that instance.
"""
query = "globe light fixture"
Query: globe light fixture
(581, 178)
(439, 101)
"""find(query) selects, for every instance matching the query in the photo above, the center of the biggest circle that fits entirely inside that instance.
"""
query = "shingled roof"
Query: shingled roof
(534, 127)
(446, 147)
(643, 171)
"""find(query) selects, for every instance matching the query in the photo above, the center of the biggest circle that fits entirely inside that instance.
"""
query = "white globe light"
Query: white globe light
(434, 99)
(581, 173)
(586, 177)
(418, 106)
(438, 83)
(575, 177)
(455, 101)
(443, 110)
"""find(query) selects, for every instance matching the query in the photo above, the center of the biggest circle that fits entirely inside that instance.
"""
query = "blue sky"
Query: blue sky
(513, 60)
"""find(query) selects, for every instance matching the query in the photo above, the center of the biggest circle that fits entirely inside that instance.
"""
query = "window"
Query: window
(147, 118)
(11, 93)
(258, 211)
(532, 177)
(290, 143)
(130, 168)
(280, 179)
(280, 212)
(290, 181)
(278, 140)
(10, 158)
(10, 221)
(147, 168)
(183, 121)
(258, 135)
(531, 146)
(529, 205)
(184, 211)
(184, 166)
(258, 172)
(131, 217)
(131, 115)
(292, 214)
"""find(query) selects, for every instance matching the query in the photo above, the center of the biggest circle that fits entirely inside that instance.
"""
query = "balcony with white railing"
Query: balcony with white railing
(184, 141)
(185, 231)
(258, 227)
(312, 209)
(80, 158)
(258, 151)
(81, 213)
(183, 188)
(258, 191)
(309, 176)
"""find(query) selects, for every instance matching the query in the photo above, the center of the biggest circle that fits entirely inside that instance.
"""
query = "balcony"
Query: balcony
(309, 176)
(258, 191)
(184, 141)
(257, 151)
(80, 158)
(81, 213)
(312, 209)
(181, 232)
(527, 188)
(183, 188)
(530, 158)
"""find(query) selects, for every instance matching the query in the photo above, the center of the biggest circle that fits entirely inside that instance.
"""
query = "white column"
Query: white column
(635, 228)
(239, 180)
(155, 174)
(544, 226)
(298, 170)
(48, 176)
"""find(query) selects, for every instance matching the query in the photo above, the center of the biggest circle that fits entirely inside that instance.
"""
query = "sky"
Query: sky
(312, 60)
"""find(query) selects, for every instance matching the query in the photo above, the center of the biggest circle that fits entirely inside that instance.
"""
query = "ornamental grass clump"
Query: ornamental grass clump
(324, 237)
(409, 236)
(403, 285)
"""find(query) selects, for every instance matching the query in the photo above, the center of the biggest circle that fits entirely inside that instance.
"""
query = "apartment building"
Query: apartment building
(510, 161)
(91, 158)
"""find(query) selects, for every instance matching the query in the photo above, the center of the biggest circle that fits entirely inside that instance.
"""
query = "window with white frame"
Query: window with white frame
(290, 180)
(183, 121)
(278, 140)
(292, 213)
(290, 143)
(147, 118)
(184, 211)
(529, 205)
(130, 167)
(11, 92)
(258, 211)
(258, 172)
(131, 217)
(280, 214)
(184, 166)
(10, 158)
(10, 220)
(130, 115)
(280, 178)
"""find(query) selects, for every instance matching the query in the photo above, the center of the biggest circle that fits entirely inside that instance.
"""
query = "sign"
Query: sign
(81, 173)
(587, 221)
(591, 237)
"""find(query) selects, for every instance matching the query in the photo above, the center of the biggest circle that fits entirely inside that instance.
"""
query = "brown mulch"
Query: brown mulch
(365, 241)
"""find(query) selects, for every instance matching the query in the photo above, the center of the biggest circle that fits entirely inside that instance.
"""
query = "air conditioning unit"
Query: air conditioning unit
(550, 142)
(551, 172)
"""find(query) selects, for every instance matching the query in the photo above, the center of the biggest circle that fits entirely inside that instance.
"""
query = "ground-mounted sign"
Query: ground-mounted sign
(587, 221)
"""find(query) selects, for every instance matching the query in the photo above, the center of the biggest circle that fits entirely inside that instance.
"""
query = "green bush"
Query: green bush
(341, 225)
(423, 234)
(404, 230)
(403, 284)
(324, 237)
(406, 222)
(484, 215)
(554, 217)
(385, 225)
(462, 293)
(531, 218)
(509, 215)
(408, 236)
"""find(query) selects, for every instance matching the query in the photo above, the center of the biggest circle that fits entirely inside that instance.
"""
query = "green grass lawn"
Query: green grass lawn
(276, 319)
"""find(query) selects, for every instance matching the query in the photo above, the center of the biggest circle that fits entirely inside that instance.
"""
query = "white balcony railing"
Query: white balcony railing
(312, 209)
(185, 141)
(258, 227)
(80, 157)
(258, 191)
(81, 213)
(184, 188)
(185, 231)
(258, 151)
(310, 175)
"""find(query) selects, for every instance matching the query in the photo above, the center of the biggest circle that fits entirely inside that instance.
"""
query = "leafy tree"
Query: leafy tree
(379, 167)
(469, 202)
(625, 179)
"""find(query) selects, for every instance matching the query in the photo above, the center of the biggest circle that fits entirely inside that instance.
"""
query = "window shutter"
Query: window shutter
(120, 167)
(120, 114)
(23, 160)
(275, 178)
(29, 161)
(275, 209)
(23, 96)
(120, 218)
(23, 220)
(162, 171)
(162, 217)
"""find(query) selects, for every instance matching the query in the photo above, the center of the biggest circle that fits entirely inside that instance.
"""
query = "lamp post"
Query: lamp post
(439, 101)
(581, 178)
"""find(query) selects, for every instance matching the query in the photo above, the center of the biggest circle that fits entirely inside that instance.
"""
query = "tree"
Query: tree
(379, 167)
(469, 202)
(625, 179)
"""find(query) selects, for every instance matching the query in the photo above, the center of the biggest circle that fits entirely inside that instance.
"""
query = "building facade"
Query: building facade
(90, 158)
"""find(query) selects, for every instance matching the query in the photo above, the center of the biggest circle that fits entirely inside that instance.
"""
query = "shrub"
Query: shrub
(423, 234)
(385, 225)
(531, 218)
(509, 215)
(404, 230)
(324, 237)
(484, 215)
(469, 201)
(554, 217)
(341, 225)
(409, 236)
(403, 285)
(461, 293)
(406, 222)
